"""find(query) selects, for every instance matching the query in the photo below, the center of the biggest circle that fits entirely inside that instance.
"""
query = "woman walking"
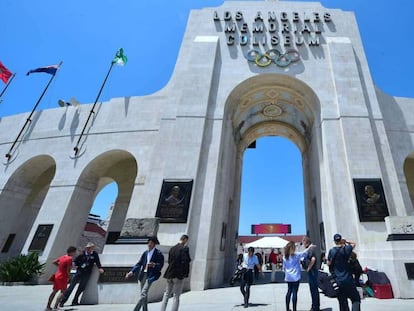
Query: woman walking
(292, 269)
(60, 279)
(249, 262)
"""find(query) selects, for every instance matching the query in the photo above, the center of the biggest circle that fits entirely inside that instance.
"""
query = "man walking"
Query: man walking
(84, 263)
(178, 269)
(311, 267)
(149, 267)
(338, 265)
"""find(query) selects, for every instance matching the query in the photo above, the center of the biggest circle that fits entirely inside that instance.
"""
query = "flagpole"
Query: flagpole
(8, 154)
(76, 148)
(7, 85)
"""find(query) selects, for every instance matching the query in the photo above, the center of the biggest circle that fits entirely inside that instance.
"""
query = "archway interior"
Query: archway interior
(273, 105)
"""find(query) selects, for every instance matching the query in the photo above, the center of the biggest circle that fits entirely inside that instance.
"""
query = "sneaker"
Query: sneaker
(61, 304)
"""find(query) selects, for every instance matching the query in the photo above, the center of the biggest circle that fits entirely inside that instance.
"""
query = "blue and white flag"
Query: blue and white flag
(48, 69)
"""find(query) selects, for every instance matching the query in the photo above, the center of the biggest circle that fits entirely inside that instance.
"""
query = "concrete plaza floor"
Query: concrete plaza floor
(264, 297)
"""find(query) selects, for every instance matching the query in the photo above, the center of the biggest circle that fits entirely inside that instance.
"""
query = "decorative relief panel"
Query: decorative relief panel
(272, 110)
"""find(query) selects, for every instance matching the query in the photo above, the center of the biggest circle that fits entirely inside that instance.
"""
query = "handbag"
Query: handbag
(52, 278)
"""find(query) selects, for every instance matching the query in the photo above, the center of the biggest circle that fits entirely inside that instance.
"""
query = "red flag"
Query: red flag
(5, 73)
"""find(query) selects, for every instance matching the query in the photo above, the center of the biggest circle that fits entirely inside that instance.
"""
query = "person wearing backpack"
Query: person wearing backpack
(338, 261)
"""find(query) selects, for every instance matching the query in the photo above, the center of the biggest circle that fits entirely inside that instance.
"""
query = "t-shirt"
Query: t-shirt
(341, 267)
(273, 258)
(307, 260)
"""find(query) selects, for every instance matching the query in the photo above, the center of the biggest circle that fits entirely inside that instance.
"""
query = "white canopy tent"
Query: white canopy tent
(268, 242)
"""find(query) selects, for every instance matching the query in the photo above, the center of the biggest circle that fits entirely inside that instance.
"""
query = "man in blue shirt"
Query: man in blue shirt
(339, 266)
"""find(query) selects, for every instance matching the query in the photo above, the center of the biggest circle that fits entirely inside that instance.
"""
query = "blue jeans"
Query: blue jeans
(293, 288)
(313, 287)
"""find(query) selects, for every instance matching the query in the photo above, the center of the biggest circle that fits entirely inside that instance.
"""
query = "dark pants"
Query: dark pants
(293, 288)
(348, 290)
(82, 279)
(313, 287)
(245, 282)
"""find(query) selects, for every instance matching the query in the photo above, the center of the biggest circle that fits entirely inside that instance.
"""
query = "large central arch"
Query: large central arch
(272, 105)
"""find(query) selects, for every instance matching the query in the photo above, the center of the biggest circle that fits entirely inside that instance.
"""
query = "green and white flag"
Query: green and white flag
(120, 59)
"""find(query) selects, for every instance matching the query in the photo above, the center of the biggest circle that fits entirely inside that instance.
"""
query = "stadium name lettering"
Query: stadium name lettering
(283, 28)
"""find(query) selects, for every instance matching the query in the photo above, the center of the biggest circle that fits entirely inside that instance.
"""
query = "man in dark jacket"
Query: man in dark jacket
(178, 269)
(84, 264)
(149, 268)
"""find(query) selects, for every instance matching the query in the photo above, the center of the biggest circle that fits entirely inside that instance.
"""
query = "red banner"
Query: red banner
(271, 229)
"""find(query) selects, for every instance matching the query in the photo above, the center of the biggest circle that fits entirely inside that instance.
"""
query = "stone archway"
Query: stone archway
(21, 200)
(112, 166)
(273, 105)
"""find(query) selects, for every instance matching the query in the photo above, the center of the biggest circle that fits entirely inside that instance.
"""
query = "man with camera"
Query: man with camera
(338, 261)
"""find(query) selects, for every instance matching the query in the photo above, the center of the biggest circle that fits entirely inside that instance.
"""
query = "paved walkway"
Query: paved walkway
(263, 298)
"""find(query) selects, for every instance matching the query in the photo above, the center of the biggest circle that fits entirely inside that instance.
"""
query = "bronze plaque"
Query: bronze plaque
(370, 200)
(40, 238)
(174, 201)
(117, 275)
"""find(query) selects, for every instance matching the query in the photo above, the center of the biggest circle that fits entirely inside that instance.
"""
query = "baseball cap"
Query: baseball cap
(337, 237)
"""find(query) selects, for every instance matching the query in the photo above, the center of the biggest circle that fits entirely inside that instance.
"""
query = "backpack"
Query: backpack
(355, 266)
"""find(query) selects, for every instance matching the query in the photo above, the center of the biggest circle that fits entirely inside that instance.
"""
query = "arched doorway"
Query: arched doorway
(272, 185)
(21, 200)
(271, 105)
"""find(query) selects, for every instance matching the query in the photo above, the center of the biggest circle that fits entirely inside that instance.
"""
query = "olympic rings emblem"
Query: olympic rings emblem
(272, 56)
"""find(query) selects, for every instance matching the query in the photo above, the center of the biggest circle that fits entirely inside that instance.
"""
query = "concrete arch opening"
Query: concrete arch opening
(272, 185)
(117, 166)
(20, 202)
(101, 212)
(271, 105)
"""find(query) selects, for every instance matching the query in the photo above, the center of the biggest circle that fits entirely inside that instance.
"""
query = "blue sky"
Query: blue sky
(86, 34)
